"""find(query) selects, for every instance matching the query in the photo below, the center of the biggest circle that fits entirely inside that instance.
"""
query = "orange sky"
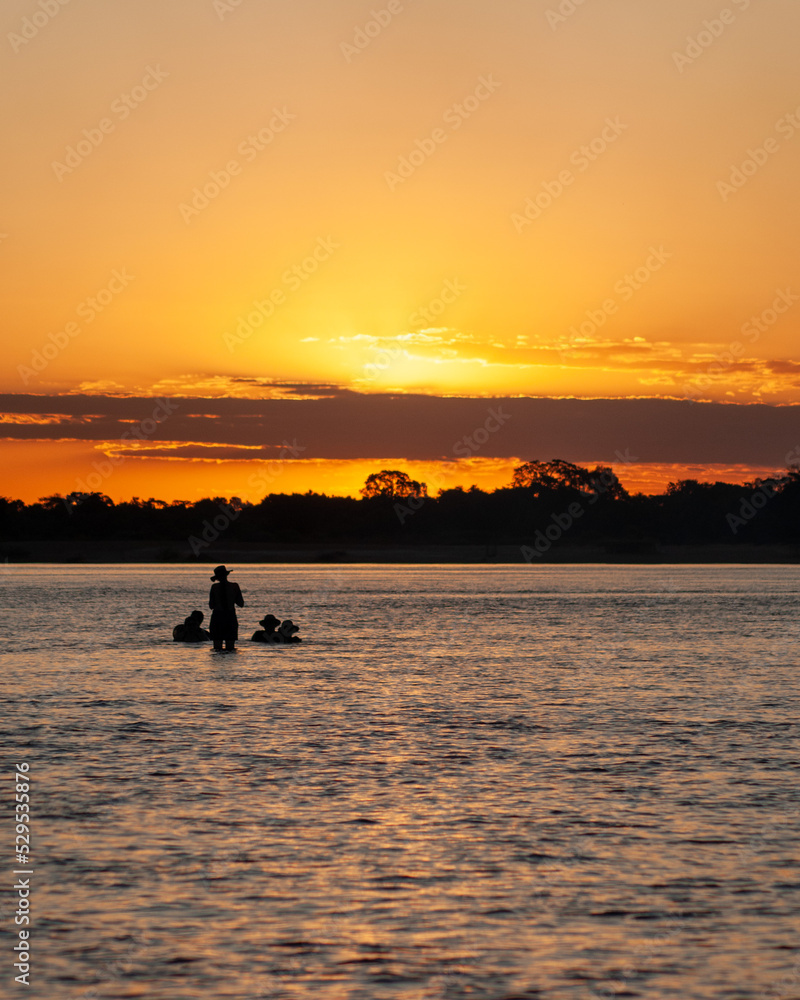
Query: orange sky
(182, 480)
(468, 199)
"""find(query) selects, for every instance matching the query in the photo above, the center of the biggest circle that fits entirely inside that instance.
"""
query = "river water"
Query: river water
(490, 782)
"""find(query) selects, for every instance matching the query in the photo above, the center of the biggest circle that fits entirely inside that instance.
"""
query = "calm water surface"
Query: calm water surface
(487, 782)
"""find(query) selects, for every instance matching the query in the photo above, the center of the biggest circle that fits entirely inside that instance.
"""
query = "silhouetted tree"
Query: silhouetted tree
(605, 482)
(396, 509)
(545, 477)
(393, 484)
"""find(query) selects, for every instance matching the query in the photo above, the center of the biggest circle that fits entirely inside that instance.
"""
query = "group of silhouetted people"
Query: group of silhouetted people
(223, 630)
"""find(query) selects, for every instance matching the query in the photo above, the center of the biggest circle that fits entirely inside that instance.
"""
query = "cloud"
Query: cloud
(173, 451)
(423, 428)
(784, 368)
(675, 368)
(215, 386)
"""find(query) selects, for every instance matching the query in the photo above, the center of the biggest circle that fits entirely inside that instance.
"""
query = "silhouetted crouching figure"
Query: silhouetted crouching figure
(223, 600)
(284, 634)
(191, 631)
(267, 633)
(287, 631)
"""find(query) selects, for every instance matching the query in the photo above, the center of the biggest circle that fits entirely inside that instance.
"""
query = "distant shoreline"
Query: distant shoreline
(164, 553)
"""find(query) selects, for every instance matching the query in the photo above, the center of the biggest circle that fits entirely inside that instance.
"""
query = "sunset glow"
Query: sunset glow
(505, 201)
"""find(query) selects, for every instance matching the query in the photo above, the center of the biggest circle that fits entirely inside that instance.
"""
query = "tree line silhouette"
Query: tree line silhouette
(546, 504)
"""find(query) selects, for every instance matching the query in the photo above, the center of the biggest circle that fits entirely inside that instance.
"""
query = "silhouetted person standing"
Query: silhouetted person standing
(223, 600)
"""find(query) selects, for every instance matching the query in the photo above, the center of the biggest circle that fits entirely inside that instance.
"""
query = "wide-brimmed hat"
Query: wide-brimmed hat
(220, 572)
(288, 623)
(269, 621)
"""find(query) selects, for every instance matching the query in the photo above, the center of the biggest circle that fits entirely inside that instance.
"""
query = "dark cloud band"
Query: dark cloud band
(347, 425)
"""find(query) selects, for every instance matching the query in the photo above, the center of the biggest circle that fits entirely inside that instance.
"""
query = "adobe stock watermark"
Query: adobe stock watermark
(467, 446)
(142, 431)
(225, 7)
(757, 157)
(752, 331)
(273, 470)
(471, 444)
(249, 150)
(432, 311)
(785, 988)
(293, 278)
(624, 289)
(121, 968)
(563, 12)
(561, 523)
(88, 311)
(33, 23)
(122, 108)
(366, 34)
(749, 507)
(74, 499)
(212, 531)
(582, 158)
(712, 30)
(454, 117)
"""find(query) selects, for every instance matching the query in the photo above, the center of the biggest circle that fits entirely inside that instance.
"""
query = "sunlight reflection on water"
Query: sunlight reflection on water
(491, 782)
